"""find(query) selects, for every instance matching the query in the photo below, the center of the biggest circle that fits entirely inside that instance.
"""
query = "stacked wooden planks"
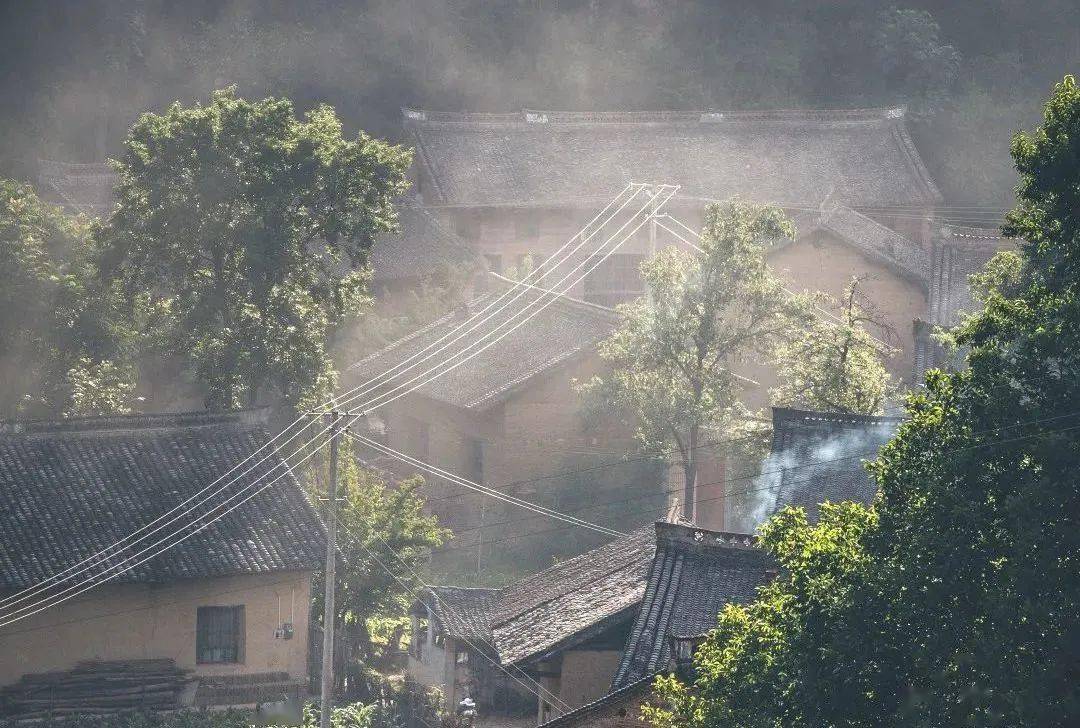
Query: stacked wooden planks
(96, 688)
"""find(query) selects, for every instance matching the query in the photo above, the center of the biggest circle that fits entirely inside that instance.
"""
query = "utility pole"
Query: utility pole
(327, 692)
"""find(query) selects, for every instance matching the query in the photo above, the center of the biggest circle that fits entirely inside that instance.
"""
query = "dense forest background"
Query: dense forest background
(75, 74)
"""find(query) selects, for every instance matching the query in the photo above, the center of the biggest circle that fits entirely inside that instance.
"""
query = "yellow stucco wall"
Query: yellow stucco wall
(587, 675)
(140, 621)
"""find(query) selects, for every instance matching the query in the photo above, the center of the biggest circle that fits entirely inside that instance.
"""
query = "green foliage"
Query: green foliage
(917, 67)
(954, 601)
(61, 352)
(378, 523)
(761, 659)
(249, 230)
(138, 719)
(671, 358)
(835, 364)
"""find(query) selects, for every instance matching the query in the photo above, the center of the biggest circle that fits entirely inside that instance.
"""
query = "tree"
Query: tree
(958, 602)
(835, 364)
(671, 358)
(249, 229)
(60, 351)
(382, 524)
(753, 669)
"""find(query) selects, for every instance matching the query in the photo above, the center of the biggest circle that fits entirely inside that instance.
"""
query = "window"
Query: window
(219, 634)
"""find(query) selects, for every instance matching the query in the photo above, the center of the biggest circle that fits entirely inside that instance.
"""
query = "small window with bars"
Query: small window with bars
(219, 635)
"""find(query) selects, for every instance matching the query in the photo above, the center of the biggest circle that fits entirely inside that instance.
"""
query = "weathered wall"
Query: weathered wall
(823, 263)
(587, 675)
(514, 445)
(139, 621)
(818, 261)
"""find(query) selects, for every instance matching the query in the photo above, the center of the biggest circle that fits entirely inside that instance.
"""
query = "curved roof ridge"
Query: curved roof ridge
(129, 422)
(703, 116)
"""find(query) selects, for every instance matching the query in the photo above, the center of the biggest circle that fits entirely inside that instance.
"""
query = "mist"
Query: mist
(77, 74)
(807, 472)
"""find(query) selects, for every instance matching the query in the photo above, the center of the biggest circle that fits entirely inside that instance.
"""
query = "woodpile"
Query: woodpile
(96, 688)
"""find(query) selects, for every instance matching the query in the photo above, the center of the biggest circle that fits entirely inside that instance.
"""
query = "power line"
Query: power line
(537, 691)
(541, 510)
(751, 491)
(663, 189)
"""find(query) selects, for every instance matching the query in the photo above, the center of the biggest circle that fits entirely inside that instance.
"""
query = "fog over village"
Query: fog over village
(518, 363)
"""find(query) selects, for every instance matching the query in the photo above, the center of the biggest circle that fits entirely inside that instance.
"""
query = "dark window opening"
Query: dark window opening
(219, 635)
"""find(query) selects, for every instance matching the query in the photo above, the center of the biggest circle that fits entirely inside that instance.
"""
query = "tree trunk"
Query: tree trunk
(690, 466)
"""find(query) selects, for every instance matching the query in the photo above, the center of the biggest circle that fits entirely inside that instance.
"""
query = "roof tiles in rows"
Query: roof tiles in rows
(72, 488)
(694, 574)
(863, 157)
(562, 604)
(556, 333)
(878, 242)
(464, 612)
(959, 252)
(421, 247)
(818, 457)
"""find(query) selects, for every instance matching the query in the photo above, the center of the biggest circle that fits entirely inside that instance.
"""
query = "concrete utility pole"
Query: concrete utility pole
(327, 691)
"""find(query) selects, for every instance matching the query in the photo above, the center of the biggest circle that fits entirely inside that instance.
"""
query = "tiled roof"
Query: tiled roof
(464, 612)
(85, 188)
(71, 488)
(420, 248)
(564, 329)
(625, 694)
(818, 456)
(862, 157)
(563, 604)
(958, 253)
(877, 241)
(694, 574)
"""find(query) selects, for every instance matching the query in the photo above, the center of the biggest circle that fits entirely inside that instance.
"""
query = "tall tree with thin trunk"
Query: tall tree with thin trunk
(672, 357)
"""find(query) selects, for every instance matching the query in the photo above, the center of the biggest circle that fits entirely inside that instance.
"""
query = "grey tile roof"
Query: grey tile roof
(958, 253)
(71, 488)
(818, 456)
(565, 329)
(544, 158)
(564, 603)
(85, 188)
(420, 248)
(877, 241)
(464, 612)
(694, 573)
(625, 694)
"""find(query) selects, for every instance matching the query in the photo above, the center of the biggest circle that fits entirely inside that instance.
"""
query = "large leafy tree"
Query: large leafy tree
(958, 606)
(61, 352)
(671, 358)
(249, 230)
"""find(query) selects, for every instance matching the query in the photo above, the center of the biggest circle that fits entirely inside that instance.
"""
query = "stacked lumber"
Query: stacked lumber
(249, 689)
(96, 688)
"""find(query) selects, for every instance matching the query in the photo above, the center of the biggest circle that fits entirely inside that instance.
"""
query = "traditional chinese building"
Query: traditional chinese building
(225, 611)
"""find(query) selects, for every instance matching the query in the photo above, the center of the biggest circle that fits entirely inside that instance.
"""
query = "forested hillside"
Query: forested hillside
(971, 71)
